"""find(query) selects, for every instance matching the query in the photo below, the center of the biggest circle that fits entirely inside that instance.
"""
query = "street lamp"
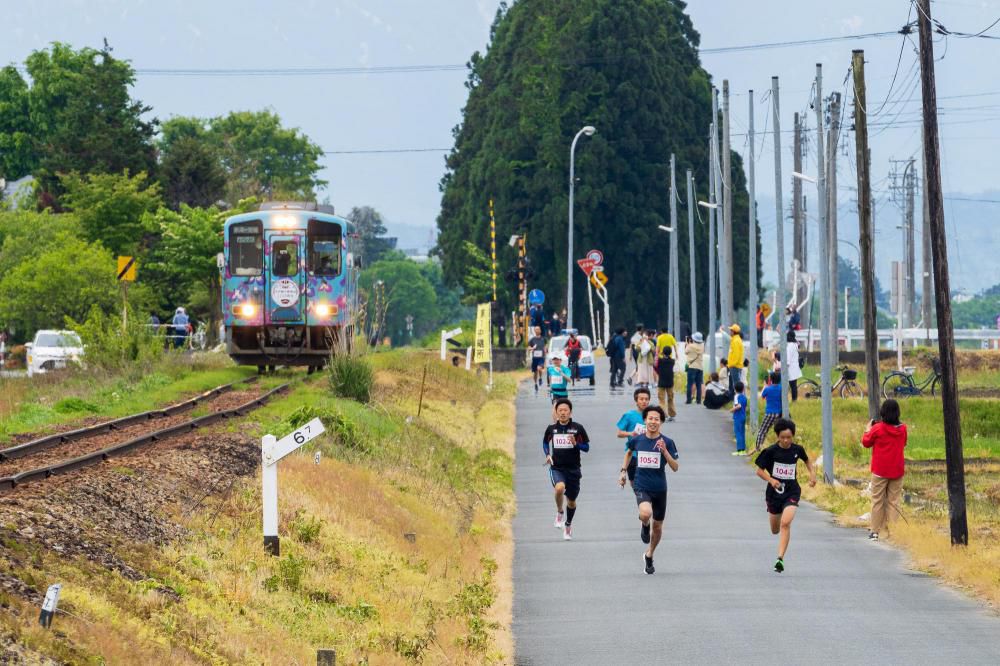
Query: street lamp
(663, 227)
(589, 131)
(802, 176)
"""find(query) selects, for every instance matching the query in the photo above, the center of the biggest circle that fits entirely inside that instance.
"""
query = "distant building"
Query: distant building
(13, 191)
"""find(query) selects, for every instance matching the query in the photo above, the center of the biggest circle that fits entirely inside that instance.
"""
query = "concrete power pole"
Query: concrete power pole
(675, 273)
(867, 268)
(726, 259)
(954, 462)
(779, 217)
(831, 220)
(824, 289)
(712, 322)
(928, 285)
(798, 239)
(691, 262)
(752, 269)
(910, 288)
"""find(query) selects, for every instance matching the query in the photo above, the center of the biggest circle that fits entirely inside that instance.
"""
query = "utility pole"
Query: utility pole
(939, 251)
(798, 240)
(910, 288)
(691, 268)
(824, 288)
(727, 212)
(752, 277)
(712, 323)
(779, 218)
(674, 318)
(925, 265)
(831, 221)
(867, 251)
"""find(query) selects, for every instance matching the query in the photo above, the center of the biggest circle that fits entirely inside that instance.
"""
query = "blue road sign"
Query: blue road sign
(536, 297)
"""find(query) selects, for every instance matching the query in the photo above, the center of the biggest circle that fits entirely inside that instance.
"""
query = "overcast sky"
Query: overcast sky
(372, 111)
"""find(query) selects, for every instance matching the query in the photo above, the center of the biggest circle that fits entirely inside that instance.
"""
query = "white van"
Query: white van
(51, 350)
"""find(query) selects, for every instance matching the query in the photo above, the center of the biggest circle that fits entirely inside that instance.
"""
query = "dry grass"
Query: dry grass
(396, 553)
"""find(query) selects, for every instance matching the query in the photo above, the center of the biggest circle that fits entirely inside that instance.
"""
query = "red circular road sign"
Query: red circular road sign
(596, 256)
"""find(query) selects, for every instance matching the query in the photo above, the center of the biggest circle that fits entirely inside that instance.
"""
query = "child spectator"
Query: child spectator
(739, 411)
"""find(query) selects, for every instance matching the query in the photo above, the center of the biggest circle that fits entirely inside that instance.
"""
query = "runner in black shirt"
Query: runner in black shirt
(566, 439)
(654, 452)
(778, 465)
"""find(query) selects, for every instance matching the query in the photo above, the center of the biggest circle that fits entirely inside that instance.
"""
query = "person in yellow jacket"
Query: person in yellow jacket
(735, 358)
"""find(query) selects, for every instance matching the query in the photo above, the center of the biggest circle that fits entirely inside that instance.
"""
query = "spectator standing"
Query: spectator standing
(634, 343)
(761, 321)
(886, 439)
(739, 411)
(616, 356)
(735, 357)
(792, 365)
(555, 326)
(772, 408)
(664, 369)
(694, 353)
(181, 324)
(645, 359)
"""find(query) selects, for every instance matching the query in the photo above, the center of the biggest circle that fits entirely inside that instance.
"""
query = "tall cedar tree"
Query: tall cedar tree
(631, 69)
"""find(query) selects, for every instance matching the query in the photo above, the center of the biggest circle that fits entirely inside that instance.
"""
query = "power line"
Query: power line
(385, 151)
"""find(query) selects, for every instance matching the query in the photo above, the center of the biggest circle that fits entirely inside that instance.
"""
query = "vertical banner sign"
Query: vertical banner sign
(482, 351)
(493, 249)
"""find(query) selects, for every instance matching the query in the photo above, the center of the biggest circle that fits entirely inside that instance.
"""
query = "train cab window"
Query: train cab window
(246, 249)
(324, 248)
(284, 258)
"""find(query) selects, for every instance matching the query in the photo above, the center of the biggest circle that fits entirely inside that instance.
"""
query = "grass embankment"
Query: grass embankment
(923, 530)
(36, 403)
(395, 547)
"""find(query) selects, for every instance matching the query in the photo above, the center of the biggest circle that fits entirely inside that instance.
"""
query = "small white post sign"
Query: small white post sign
(273, 450)
(49, 605)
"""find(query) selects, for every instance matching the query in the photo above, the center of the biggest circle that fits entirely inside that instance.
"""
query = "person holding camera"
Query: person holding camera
(887, 439)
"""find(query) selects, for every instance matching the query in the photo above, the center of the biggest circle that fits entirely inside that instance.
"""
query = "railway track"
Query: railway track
(42, 458)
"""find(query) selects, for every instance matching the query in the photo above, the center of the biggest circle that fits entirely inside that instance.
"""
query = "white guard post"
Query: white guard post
(49, 605)
(445, 336)
(273, 450)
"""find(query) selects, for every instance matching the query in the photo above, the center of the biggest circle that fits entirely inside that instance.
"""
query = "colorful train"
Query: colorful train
(289, 285)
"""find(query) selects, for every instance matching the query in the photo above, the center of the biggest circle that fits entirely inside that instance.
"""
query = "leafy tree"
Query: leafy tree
(184, 258)
(478, 278)
(64, 280)
(110, 207)
(631, 69)
(17, 154)
(80, 117)
(191, 174)
(371, 230)
(26, 234)
(449, 299)
(981, 311)
(407, 292)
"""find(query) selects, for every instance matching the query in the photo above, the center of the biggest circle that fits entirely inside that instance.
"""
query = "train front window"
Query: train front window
(324, 248)
(246, 249)
(284, 258)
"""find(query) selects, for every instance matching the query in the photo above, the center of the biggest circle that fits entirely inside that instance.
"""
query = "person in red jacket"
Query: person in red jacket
(886, 439)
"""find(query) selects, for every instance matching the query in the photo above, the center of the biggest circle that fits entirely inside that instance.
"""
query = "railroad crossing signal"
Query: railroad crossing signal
(126, 269)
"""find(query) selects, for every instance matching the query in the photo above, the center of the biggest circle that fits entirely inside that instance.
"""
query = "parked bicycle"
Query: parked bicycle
(903, 385)
(846, 385)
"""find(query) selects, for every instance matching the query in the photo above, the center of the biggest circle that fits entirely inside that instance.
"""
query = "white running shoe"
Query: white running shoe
(568, 533)
(560, 520)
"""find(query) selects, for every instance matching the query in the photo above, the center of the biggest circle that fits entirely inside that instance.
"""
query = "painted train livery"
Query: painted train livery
(289, 287)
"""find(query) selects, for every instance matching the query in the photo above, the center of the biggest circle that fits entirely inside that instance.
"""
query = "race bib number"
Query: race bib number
(537, 353)
(783, 471)
(563, 441)
(649, 459)
(639, 429)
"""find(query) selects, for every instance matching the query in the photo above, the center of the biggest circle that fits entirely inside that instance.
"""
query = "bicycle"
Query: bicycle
(574, 367)
(902, 384)
(846, 385)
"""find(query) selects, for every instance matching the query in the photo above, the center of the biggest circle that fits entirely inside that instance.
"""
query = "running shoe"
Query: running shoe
(669, 419)
(873, 536)
(560, 520)
(629, 380)
(647, 564)
(779, 565)
(739, 453)
(568, 533)
(644, 533)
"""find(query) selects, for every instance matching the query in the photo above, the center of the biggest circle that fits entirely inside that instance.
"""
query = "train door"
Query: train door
(285, 302)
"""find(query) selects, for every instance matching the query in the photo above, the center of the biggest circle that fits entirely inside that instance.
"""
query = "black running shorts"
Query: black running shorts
(569, 477)
(658, 500)
(777, 504)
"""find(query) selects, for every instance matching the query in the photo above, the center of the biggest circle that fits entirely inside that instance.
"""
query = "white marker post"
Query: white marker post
(445, 336)
(49, 605)
(273, 450)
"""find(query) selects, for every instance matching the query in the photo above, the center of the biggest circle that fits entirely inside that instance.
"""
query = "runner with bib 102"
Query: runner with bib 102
(562, 443)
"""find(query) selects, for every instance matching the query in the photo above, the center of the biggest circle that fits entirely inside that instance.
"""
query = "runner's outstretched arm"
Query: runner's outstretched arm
(812, 474)
(545, 450)
(625, 462)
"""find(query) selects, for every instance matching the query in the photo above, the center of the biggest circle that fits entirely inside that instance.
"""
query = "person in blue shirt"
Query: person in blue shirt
(739, 411)
(558, 379)
(632, 423)
(180, 323)
(654, 453)
(772, 408)
(562, 444)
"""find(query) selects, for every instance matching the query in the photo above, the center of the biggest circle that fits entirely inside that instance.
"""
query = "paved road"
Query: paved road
(714, 598)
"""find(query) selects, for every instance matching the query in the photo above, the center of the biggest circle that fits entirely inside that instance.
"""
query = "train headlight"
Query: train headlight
(284, 221)
(323, 310)
(247, 310)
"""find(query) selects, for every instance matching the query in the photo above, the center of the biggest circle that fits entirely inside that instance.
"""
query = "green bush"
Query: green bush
(351, 377)
(132, 352)
(74, 406)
